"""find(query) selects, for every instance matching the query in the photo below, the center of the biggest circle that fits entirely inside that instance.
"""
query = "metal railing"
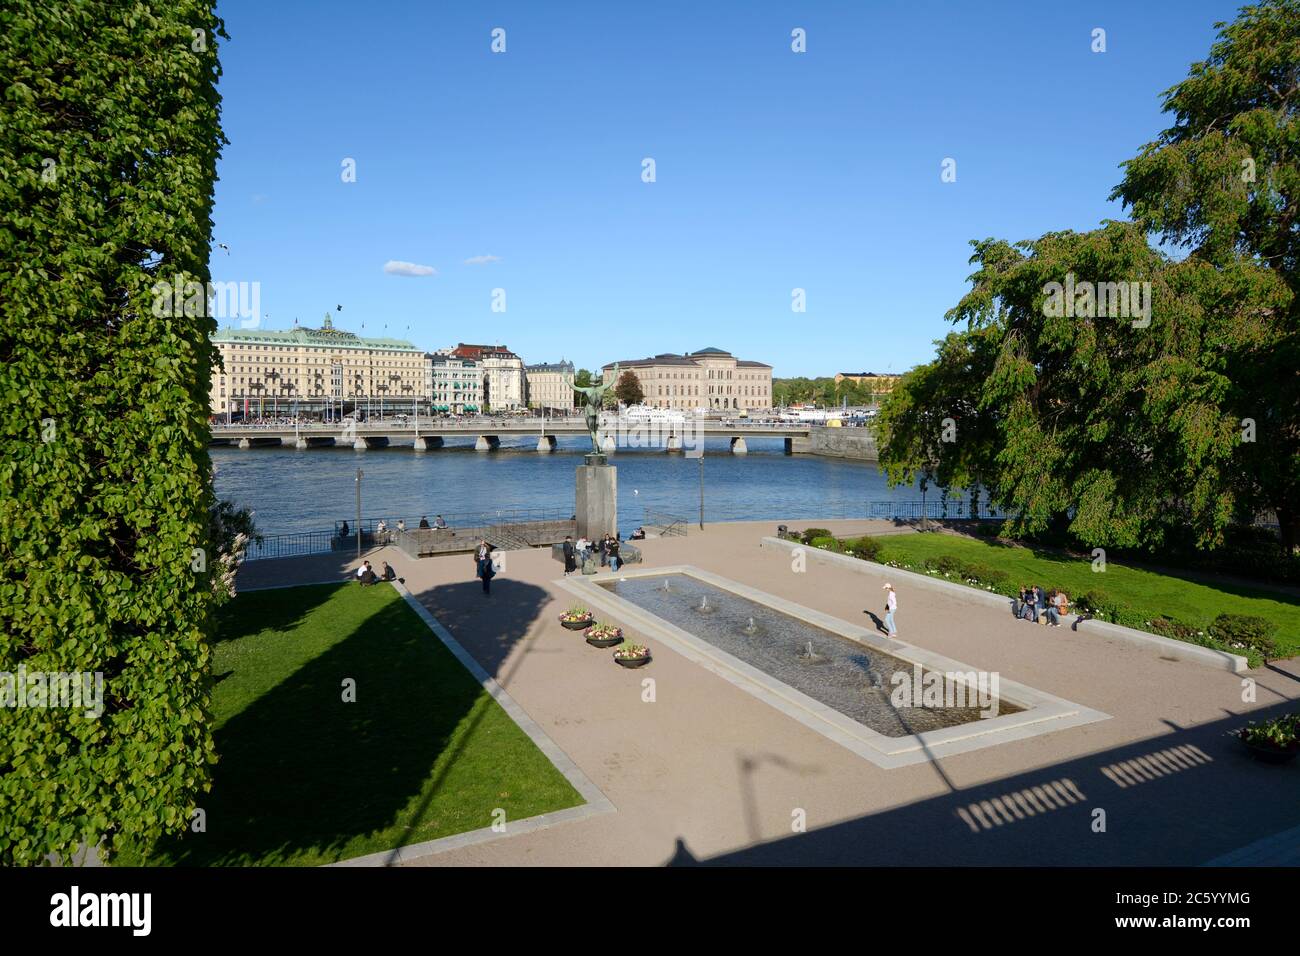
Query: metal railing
(666, 525)
(292, 545)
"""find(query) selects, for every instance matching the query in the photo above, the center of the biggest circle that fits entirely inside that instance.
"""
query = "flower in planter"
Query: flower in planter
(632, 651)
(576, 613)
(603, 632)
(1280, 733)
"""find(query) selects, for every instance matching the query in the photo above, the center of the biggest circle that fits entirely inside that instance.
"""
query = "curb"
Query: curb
(1164, 646)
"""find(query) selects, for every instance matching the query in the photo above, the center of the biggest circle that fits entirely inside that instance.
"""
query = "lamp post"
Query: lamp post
(359, 473)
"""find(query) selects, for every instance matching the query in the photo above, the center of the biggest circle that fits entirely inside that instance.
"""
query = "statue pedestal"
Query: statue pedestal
(597, 498)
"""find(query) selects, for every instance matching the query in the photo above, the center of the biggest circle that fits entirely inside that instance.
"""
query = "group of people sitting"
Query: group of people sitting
(1034, 601)
(607, 548)
(366, 574)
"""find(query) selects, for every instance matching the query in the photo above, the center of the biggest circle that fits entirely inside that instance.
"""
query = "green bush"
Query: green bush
(108, 146)
(866, 547)
(1246, 630)
(826, 543)
(807, 536)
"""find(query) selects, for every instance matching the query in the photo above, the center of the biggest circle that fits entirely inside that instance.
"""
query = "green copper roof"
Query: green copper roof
(320, 338)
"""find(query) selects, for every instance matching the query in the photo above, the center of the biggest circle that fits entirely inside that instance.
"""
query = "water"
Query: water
(841, 673)
(310, 489)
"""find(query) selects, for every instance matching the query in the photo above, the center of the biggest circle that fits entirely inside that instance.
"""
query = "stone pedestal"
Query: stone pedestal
(597, 497)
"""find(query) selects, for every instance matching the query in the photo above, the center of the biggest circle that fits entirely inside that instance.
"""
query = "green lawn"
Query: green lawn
(305, 778)
(1152, 594)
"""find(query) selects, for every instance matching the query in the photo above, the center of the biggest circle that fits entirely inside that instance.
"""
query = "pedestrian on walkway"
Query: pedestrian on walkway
(570, 564)
(483, 565)
(891, 605)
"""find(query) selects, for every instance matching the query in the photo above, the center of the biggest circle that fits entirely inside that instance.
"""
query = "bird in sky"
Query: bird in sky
(222, 245)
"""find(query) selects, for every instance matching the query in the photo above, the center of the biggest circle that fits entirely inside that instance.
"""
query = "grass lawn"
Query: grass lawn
(305, 778)
(1150, 593)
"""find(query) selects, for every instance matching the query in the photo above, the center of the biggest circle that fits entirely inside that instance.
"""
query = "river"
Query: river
(309, 489)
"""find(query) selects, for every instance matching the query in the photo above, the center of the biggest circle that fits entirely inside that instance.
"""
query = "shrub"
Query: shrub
(807, 536)
(984, 574)
(866, 547)
(945, 564)
(826, 543)
(105, 559)
(1246, 630)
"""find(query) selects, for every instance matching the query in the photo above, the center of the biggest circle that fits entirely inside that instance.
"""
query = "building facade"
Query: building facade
(503, 375)
(550, 386)
(454, 385)
(876, 382)
(710, 379)
(324, 372)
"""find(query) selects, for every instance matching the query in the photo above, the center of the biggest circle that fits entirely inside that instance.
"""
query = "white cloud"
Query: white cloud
(395, 267)
(481, 260)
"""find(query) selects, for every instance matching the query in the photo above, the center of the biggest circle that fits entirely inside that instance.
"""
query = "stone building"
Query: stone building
(314, 372)
(711, 379)
(503, 375)
(550, 386)
(454, 384)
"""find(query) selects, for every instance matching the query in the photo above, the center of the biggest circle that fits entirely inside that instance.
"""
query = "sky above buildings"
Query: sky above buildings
(523, 171)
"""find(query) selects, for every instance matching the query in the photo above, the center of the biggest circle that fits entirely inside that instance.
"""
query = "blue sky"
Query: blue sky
(774, 170)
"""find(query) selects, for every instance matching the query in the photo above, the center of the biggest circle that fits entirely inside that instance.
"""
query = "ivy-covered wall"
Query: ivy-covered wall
(109, 138)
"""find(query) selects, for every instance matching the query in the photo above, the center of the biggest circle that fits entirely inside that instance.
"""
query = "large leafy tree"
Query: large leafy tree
(1110, 425)
(109, 138)
(1223, 182)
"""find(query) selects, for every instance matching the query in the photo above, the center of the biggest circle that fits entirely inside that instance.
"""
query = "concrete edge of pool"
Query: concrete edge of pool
(1042, 713)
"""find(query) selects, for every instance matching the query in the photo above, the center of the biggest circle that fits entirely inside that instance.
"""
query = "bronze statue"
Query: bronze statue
(595, 396)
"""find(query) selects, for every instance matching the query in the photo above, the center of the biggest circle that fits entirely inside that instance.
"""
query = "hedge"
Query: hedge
(109, 138)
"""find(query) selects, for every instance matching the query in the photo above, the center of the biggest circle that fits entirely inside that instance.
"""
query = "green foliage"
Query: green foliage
(628, 389)
(1224, 182)
(109, 137)
(1093, 421)
(823, 391)
(807, 535)
(582, 378)
(1280, 733)
(1246, 630)
(866, 547)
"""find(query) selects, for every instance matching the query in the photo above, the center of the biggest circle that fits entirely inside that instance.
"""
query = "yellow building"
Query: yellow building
(878, 383)
(310, 372)
(708, 379)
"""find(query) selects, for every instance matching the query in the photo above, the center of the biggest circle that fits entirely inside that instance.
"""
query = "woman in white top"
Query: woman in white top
(891, 605)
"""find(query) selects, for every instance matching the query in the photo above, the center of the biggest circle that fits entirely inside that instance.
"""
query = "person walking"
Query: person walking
(483, 565)
(615, 562)
(891, 605)
(570, 564)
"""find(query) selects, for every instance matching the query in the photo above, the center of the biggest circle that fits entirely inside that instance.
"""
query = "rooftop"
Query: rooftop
(323, 337)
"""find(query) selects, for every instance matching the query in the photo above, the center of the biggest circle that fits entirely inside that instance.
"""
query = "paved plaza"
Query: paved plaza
(708, 773)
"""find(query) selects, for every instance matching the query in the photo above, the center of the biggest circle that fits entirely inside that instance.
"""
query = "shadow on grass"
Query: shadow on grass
(281, 609)
(305, 777)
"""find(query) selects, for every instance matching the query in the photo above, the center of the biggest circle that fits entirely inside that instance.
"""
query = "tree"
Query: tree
(582, 379)
(628, 389)
(109, 140)
(1224, 182)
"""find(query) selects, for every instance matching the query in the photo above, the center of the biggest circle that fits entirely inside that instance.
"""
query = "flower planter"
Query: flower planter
(605, 641)
(633, 661)
(1273, 755)
(577, 625)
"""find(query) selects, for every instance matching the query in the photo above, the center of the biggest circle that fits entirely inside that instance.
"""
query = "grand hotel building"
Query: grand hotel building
(711, 379)
(314, 371)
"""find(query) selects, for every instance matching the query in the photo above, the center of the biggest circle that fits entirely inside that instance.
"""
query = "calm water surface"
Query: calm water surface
(310, 489)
